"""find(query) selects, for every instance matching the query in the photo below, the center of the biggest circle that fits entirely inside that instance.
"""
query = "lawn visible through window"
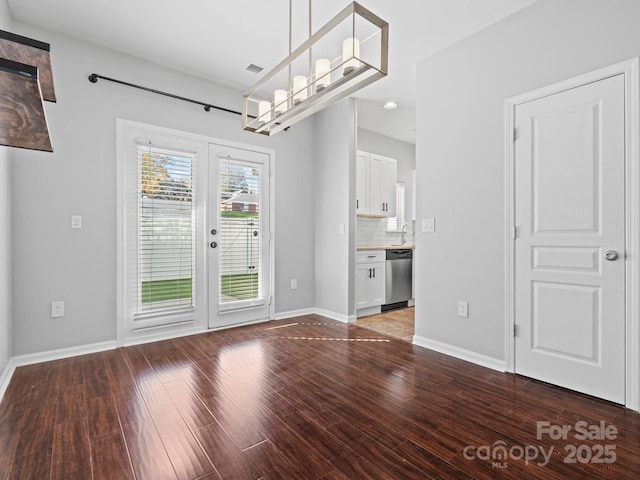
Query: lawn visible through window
(240, 287)
(164, 290)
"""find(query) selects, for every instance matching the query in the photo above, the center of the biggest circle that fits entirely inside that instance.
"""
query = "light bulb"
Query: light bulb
(323, 73)
(350, 49)
(264, 112)
(299, 89)
(280, 101)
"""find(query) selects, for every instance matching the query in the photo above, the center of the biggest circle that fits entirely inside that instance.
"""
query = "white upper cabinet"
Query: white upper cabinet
(375, 185)
(362, 183)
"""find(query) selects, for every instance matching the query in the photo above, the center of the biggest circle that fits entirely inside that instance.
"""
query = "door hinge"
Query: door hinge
(514, 232)
(515, 134)
(516, 331)
(269, 299)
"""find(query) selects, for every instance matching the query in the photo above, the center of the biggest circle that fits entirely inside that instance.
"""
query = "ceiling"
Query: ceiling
(218, 39)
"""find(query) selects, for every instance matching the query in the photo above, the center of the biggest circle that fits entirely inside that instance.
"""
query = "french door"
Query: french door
(193, 233)
(238, 236)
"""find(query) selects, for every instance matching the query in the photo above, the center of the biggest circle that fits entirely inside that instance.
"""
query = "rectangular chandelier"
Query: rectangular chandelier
(345, 55)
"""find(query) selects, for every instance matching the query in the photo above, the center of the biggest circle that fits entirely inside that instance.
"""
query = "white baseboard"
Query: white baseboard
(31, 358)
(335, 316)
(158, 337)
(461, 353)
(61, 353)
(365, 312)
(5, 377)
(316, 311)
(294, 313)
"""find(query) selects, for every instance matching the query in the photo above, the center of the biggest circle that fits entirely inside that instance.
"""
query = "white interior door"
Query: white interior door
(239, 237)
(569, 212)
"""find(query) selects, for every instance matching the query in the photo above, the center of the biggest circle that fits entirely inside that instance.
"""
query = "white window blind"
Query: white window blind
(240, 248)
(394, 224)
(166, 230)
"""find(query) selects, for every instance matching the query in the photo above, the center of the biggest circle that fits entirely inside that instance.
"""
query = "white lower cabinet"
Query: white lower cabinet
(370, 279)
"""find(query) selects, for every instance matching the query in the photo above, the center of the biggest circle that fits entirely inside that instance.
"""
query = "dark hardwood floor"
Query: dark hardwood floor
(304, 398)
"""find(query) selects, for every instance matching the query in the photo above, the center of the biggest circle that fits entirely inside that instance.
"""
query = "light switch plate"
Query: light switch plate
(57, 309)
(76, 221)
(463, 309)
(428, 225)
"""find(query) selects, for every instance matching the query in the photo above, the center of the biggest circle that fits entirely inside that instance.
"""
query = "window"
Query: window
(240, 233)
(394, 224)
(166, 229)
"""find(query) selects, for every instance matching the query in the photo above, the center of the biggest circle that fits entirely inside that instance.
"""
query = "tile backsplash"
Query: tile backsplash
(373, 231)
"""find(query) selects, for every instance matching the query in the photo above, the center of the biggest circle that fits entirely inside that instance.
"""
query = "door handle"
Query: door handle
(374, 273)
(214, 244)
(611, 255)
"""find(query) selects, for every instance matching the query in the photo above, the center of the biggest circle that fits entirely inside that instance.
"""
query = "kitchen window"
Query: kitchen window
(394, 224)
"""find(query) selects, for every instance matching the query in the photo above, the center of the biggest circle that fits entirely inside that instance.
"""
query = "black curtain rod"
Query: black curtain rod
(93, 78)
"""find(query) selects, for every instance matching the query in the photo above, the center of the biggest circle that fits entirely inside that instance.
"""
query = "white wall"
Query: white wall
(334, 206)
(6, 350)
(460, 151)
(53, 262)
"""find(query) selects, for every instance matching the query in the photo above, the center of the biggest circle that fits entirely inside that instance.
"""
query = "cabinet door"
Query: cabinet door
(376, 206)
(375, 185)
(388, 186)
(363, 271)
(370, 285)
(362, 183)
(376, 285)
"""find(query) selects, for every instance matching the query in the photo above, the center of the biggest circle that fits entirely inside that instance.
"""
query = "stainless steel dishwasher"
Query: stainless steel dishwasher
(398, 278)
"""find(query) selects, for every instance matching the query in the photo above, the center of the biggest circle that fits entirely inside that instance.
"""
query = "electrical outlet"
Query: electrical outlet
(76, 221)
(57, 309)
(294, 283)
(463, 309)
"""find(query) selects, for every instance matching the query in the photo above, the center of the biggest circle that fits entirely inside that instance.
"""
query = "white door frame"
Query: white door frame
(630, 69)
(123, 338)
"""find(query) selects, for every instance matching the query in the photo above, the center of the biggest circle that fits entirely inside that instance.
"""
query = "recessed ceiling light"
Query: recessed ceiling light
(390, 105)
(255, 68)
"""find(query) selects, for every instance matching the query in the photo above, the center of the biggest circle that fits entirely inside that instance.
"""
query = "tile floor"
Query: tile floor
(395, 323)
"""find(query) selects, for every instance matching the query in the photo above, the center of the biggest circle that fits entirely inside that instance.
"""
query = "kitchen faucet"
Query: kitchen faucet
(403, 240)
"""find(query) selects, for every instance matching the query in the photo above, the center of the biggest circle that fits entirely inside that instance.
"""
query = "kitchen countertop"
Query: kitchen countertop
(383, 247)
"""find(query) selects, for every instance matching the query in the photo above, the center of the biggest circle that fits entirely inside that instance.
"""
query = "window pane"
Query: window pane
(166, 229)
(394, 224)
(240, 233)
